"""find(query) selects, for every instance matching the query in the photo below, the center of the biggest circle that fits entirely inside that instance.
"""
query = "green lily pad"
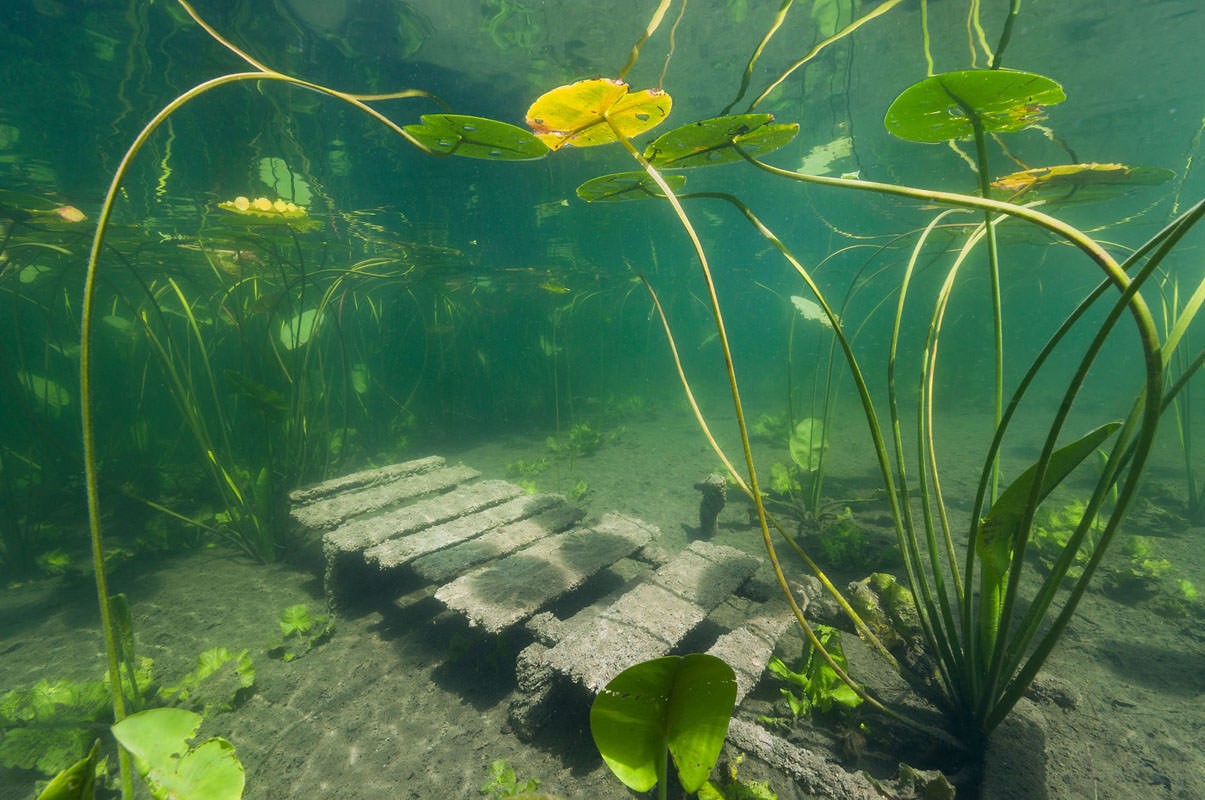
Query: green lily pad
(636, 185)
(1078, 182)
(713, 141)
(298, 329)
(677, 703)
(158, 741)
(477, 137)
(937, 109)
(582, 114)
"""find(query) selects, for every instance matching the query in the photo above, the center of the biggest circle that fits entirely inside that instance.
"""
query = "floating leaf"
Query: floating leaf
(820, 159)
(31, 272)
(276, 175)
(263, 208)
(360, 377)
(299, 329)
(635, 185)
(715, 141)
(1078, 182)
(937, 109)
(589, 113)
(477, 137)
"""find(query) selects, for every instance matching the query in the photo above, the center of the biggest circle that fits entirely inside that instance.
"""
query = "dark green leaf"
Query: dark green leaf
(635, 185)
(711, 141)
(477, 137)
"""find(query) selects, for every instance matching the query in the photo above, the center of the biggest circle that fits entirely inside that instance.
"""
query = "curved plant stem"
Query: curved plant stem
(650, 29)
(86, 314)
(863, 630)
(877, 11)
(746, 78)
(753, 486)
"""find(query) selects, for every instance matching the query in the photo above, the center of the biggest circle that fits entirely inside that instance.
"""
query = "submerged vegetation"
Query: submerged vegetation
(283, 337)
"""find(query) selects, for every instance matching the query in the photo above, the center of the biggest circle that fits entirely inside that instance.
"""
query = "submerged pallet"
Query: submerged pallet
(500, 557)
(649, 620)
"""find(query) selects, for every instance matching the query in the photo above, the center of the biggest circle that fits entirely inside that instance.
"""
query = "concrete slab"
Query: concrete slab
(747, 648)
(650, 619)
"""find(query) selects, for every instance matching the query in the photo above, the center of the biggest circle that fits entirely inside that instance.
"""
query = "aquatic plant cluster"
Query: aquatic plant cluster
(234, 346)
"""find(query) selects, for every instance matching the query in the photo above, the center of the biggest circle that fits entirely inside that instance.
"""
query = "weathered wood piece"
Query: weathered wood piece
(363, 479)
(645, 622)
(363, 532)
(747, 648)
(332, 511)
(511, 589)
(654, 616)
(442, 566)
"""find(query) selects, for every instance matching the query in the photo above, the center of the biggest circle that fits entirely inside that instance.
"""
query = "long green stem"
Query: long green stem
(877, 11)
(88, 433)
(754, 487)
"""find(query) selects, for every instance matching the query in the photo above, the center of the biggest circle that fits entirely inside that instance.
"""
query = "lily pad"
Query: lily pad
(48, 394)
(477, 137)
(263, 211)
(1078, 182)
(938, 108)
(298, 330)
(714, 141)
(588, 113)
(158, 740)
(679, 704)
(636, 185)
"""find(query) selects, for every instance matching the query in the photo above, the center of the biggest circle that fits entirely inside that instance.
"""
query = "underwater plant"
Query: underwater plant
(986, 641)
(158, 739)
(988, 637)
(816, 687)
(504, 783)
(676, 707)
(300, 632)
(733, 788)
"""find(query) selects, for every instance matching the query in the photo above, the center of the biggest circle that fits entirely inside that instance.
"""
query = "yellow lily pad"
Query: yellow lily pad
(594, 112)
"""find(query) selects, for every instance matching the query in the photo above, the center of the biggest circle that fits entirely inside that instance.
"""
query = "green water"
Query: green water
(405, 304)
